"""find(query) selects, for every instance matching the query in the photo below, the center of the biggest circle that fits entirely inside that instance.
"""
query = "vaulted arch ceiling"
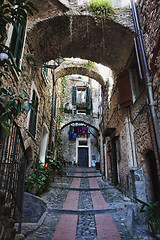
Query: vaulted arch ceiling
(110, 45)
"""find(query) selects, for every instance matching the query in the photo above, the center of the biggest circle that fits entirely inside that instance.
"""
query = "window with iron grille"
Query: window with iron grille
(33, 114)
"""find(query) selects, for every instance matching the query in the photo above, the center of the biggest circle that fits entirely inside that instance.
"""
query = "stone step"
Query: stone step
(84, 211)
(82, 189)
(72, 176)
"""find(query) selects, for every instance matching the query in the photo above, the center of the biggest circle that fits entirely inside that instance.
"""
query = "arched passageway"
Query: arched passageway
(78, 121)
(78, 68)
(110, 45)
(80, 141)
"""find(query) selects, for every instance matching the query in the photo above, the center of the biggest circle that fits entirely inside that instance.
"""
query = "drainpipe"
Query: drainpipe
(103, 132)
(51, 121)
(147, 77)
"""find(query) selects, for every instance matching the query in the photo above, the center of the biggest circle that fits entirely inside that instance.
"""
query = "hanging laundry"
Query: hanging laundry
(72, 134)
(80, 129)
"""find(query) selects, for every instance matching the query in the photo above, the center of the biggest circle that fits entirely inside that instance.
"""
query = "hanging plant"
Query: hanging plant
(101, 10)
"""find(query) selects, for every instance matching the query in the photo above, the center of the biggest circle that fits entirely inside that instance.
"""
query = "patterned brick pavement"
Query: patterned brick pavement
(67, 226)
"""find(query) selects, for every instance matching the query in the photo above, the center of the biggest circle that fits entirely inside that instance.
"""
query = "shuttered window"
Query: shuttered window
(17, 41)
(33, 114)
(125, 97)
(74, 93)
(88, 101)
(81, 96)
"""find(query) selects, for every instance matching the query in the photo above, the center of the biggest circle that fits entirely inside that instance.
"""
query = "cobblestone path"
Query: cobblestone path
(81, 206)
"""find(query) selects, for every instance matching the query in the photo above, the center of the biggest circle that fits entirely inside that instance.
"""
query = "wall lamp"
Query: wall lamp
(57, 62)
(3, 56)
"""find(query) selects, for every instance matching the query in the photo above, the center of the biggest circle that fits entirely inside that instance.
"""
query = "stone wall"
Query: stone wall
(69, 146)
(132, 128)
(149, 14)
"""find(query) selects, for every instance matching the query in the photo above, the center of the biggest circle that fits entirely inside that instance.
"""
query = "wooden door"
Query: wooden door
(83, 157)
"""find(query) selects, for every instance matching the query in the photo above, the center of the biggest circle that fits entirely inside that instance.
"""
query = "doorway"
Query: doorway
(153, 173)
(83, 157)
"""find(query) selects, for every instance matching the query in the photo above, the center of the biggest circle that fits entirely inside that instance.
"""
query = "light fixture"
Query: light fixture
(57, 63)
(3, 56)
(59, 60)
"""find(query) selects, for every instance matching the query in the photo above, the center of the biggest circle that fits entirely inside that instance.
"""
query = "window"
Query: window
(33, 114)
(17, 42)
(81, 95)
(137, 84)
(83, 143)
(81, 98)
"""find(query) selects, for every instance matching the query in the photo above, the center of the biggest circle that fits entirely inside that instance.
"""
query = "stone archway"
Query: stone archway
(86, 144)
(79, 121)
(110, 46)
(69, 68)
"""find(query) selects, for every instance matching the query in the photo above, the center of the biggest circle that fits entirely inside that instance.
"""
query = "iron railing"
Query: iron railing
(12, 171)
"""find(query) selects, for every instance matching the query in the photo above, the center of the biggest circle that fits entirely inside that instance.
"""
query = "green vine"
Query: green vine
(63, 83)
(101, 10)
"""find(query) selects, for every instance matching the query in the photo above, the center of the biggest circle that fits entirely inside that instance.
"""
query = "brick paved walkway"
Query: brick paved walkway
(81, 206)
(67, 226)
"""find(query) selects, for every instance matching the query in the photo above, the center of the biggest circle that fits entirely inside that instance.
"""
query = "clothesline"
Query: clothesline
(74, 131)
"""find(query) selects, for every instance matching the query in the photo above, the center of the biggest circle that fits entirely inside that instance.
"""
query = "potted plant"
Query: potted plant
(40, 180)
(151, 216)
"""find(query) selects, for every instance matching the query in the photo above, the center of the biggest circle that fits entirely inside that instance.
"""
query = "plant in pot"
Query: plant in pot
(151, 217)
(39, 181)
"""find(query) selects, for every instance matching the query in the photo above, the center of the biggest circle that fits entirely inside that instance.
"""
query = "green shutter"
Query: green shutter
(74, 94)
(33, 115)
(88, 102)
(17, 41)
(55, 105)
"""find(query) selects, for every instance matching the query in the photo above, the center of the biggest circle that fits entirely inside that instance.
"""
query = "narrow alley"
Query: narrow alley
(79, 119)
(80, 206)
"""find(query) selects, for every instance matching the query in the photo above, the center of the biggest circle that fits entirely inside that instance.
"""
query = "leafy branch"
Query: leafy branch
(101, 10)
(11, 104)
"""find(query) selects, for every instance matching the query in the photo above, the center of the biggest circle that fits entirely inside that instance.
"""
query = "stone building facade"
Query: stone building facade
(132, 155)
(80, 132)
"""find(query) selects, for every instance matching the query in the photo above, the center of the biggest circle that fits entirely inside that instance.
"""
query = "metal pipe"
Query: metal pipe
(147, 77)
(51, 121)
(103, 130)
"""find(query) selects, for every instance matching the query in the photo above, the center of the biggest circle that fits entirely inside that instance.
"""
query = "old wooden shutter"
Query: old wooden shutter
(55, 105)
(16, 44)
(33, 115)
(125, 97)
(88, 101)
(74, 93)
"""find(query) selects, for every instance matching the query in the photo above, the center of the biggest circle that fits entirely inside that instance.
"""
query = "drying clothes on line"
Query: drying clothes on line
(77, 130)
(72, 134)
